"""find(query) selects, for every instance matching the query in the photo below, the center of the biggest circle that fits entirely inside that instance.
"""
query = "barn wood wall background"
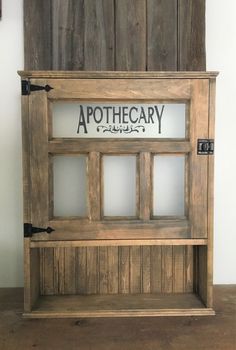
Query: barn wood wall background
(115, 35)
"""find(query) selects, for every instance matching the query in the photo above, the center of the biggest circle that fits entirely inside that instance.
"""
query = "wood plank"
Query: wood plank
(126, 90)
(189, 260)
(135, 269)
(70, 270)
(53, 74)
(167, 269)
(113, 270)
(103, 270)
(47, 271)
(68, 34)
(178, 269)
(145, 186)
(92, 270)
(99, 35)
(130, 35)
(162, 35)
(65, 146)
(124, 270)
(31, 275)
(37, 34)
(156, 269)
(198, 163)
(130, 229)
(191, 36)
(146, 269)
(124, 242)
(81, 270)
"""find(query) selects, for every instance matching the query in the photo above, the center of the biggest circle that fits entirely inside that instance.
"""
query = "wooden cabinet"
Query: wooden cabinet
(118, 193)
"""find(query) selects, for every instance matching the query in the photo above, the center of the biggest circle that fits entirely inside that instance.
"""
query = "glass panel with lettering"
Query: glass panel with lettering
(119, 120)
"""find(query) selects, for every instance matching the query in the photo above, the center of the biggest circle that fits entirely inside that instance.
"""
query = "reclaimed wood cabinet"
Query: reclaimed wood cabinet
(118, 193)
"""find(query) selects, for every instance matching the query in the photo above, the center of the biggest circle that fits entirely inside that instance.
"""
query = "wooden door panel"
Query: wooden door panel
(43, 146)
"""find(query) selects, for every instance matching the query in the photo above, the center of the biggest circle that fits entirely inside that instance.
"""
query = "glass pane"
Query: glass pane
(119, 176)
(168, 185)
(75, 119)
(69, 186)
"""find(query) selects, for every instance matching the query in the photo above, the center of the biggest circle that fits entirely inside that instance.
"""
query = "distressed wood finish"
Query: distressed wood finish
(162, 44)
(130, 256)
(67, 31)
(118, 35)
(120, 305)
(198, 163)
(99, 49)
(66, 146)
(118, 269)
(130, 35)
(191, 35)
(37, 34)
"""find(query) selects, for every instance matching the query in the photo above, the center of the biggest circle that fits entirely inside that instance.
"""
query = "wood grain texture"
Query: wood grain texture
(191, 36)
(99, 35)
(145, 185)
(118, 269)
(198, 163)
(130, 35)
(210, 199)
(39, 164)
(68, 34)
(162, 24)
(37, 34)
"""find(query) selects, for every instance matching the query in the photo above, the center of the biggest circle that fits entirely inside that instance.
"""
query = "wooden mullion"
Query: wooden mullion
(94, 186)
(145, 185)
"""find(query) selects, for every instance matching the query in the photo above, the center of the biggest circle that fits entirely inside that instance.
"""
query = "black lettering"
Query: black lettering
(150, 114)
(117, 114)
(159, 116)
(142, 116)
(101, 114)
(82, 121)
(107, 108)
(130, 115)
(89, 113)
(125, 114)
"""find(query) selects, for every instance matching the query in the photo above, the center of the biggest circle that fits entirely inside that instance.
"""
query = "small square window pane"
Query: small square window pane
(69, 186)
(168, 185)
(119, 185)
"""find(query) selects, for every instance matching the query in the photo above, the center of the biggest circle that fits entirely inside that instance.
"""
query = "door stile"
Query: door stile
(39, 160)
(198, 164)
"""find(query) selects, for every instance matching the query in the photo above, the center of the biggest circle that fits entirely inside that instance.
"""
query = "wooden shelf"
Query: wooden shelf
(113, 242)
(119, 306)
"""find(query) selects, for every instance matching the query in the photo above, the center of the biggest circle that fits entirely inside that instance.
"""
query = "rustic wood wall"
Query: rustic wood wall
(115, 35)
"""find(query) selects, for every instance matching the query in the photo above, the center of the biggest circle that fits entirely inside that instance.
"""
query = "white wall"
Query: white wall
(11, 59)
(221, 55)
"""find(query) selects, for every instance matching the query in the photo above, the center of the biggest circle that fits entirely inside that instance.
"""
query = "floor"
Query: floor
(160, 333)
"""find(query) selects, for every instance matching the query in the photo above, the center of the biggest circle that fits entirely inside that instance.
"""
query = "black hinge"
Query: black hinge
(30, 230)
(27, 87)
(205, 146)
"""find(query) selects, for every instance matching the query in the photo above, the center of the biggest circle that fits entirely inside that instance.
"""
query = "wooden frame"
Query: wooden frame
(117, 252)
